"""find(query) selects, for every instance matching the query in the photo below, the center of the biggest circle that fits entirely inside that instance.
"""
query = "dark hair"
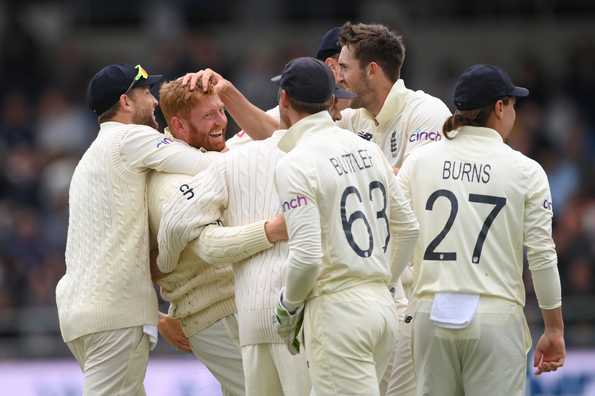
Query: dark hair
(375, 43)
(476, 117)
(309, 108)
(109, 113)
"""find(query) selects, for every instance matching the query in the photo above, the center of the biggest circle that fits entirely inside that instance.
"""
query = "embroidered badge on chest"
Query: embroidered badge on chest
(394, 147)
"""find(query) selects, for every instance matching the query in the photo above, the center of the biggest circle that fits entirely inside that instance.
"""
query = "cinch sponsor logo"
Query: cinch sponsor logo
(164, 141)
(421, 136)
(187, 191)
(294, 203)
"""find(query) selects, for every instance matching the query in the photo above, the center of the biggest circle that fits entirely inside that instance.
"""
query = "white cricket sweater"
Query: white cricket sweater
(107, 284)
(201, 294)
(241, 187)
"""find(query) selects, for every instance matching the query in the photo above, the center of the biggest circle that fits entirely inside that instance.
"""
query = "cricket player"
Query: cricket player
(107, 306)
(479, 204)
(345, 219)
(239, 188)
(395, 117)
(399, 120)
(202, 296)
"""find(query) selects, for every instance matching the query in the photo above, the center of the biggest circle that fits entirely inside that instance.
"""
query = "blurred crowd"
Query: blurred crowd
(45, 127)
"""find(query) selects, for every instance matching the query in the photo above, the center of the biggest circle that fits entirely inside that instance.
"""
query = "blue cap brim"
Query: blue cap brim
(150, 81)
(276, 79)
(519, 92)
(341, 93)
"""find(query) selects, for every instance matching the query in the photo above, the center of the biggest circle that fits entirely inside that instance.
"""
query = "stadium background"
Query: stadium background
(50, 49)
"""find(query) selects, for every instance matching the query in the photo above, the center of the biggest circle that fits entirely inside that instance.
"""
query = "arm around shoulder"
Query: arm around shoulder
(143, 148)
(219, 245)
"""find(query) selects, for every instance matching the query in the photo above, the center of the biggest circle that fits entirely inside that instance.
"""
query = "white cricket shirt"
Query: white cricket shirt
(408, 119)
(342, 208)
(479, 202)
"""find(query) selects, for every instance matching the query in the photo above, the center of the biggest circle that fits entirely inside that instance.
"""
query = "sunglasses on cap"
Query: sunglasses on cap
(140, 73)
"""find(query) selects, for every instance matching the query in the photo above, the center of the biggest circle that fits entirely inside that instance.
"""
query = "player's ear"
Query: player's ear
(499, 109)
(177, 127)
(332, 64)
(283, 99)
(126, 103)
(372, 69)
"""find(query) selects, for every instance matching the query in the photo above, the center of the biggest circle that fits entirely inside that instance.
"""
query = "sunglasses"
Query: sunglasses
(140, 73)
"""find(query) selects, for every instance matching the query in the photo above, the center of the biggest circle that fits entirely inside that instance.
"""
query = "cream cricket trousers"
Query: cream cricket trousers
(218, 348)
(270, 369)
(349, 338)
(399, 379)
(113, 362)
(487, 358)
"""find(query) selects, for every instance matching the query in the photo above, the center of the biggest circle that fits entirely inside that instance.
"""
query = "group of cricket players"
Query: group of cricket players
(357, 239)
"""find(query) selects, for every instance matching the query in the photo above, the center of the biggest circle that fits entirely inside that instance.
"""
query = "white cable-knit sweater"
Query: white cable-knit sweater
(240, 186)
(107, 284)
(200, 294)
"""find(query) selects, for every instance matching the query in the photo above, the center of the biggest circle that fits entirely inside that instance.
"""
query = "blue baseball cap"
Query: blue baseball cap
(329, 44)
(309, 80)
(109, 83)
(480, 85)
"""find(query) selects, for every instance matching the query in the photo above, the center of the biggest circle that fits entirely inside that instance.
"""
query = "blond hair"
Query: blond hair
(176, 99)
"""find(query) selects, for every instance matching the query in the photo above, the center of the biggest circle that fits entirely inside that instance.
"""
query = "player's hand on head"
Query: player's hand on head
(171, 330)
(190, 79)
(550, 352)
(211, 79)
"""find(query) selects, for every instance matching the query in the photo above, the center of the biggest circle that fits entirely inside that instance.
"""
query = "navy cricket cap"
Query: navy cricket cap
(310, 81)
(481, 85)
(109, 83)
(329, 44)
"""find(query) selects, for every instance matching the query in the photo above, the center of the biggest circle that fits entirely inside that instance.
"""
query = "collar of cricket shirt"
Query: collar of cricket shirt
(393, 104)
(481, 132)
(313, 122)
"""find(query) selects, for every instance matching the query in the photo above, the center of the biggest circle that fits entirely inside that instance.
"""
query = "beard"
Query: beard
(145, 117)
(363, 89)
(204, 140)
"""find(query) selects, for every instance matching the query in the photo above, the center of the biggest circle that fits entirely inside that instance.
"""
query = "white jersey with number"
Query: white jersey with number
(342, 208)
(408, 119)
(479, 203)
